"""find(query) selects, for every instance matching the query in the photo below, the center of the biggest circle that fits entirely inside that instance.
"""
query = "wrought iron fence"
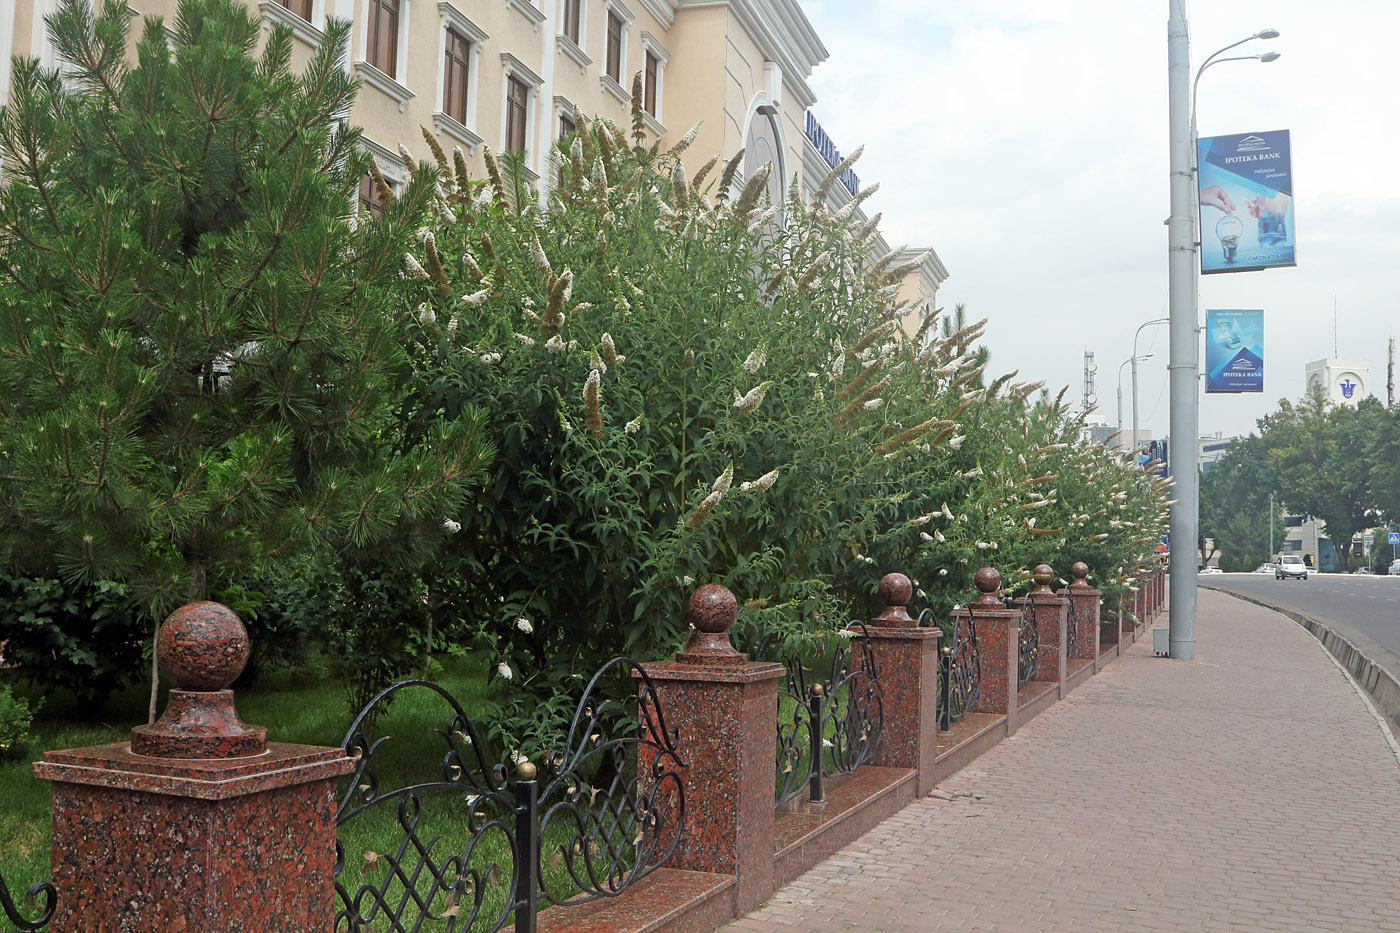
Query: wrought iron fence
(469, 846)
(1072, 629)
(960, 669)
(40, 900)
(1028, 645)
(828, 727)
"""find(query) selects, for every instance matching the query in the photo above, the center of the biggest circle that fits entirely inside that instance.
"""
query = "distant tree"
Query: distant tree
(1235, 505)
(201, 350)
(1317, 455)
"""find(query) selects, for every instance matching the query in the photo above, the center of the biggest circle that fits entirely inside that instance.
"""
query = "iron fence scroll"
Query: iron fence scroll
(469, 846)
(1028, 644)
(40, 897)
(1072, 629)
(960, 669)
(829, 727)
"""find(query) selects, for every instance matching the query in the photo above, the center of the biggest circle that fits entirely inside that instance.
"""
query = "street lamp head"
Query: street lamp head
(1269, 33)
(1269, 56)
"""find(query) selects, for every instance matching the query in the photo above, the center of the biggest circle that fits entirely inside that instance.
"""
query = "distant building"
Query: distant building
(1210, 450)
(1344, 382)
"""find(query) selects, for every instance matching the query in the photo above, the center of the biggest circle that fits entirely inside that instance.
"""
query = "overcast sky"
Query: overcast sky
(1027, 143)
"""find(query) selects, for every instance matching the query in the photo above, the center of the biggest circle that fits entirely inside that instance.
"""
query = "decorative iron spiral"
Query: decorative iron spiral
(612, 808)
(37, 890)
(962, 667)
(1072, 630)
(1028, 644)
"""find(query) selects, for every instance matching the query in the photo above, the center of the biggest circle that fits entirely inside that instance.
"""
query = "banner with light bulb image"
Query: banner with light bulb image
(1246, 192)
(1234, 350)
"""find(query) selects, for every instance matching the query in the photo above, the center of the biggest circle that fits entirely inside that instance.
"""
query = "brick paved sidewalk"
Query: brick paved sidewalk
(1250, 789)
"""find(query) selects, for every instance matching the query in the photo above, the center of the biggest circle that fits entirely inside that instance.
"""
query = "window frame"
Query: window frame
(513, 67)
(517, 101)
(653, 116)
(369, 72)
(463, 130)
(614, 85)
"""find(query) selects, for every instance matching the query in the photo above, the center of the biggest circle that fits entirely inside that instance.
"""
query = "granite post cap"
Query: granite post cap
(203, 646)
(1080, 572)
(895, 592)
(1043, 577)
(711, 612)
(988, 582)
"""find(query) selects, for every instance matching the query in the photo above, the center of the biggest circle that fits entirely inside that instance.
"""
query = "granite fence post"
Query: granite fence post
(907, 658)
(1050, 615)
(198, 824)
(725, 712)
(1088, 606)
(999, 636)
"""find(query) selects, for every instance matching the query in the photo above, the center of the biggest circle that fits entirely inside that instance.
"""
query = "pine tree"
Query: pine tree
(201, 347)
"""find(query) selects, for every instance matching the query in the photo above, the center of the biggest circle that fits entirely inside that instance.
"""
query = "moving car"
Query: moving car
(1395, 568)
(1291, 565)
(1265, 568)
(1211, 570)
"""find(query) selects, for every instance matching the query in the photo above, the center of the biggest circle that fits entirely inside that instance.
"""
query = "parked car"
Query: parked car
(1395, 568)
(1291, 565)
(1362, 570)
(1265, 568)
(1211, 570)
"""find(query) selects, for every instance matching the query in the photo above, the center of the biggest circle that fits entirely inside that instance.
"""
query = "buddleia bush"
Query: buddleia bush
(685, 391)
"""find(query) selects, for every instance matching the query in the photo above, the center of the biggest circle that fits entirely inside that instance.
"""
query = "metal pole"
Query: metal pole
(1181, 278)
(1271, 526)
(1160, 320)
(1120, 407)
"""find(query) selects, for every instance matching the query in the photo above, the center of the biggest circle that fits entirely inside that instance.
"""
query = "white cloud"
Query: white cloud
(1027, 143)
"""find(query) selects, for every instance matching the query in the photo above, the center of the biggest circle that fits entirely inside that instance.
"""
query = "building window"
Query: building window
(567, 127)
(615, 47)
(383, 36)
(653, 76)
(517, 98)
(301, 8)
(573, 15)
(370, 200)
(456, 66)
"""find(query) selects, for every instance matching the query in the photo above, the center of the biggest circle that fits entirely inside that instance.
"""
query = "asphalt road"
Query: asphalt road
(1363, 608)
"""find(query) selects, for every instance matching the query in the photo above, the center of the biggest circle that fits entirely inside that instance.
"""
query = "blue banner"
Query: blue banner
(1234, 351)
(1246, 202)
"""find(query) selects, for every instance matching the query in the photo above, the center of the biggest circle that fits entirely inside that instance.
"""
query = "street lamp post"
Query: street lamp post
(1160, 320)
(1183, 367)
(1134, 360)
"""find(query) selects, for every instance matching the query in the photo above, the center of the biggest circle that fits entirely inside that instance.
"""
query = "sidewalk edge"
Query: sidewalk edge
(1380, 684)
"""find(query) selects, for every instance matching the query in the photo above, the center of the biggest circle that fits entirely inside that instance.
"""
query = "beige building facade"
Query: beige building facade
(510, 74)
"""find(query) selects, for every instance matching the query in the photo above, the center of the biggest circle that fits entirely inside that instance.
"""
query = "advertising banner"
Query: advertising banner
(1234, 351)
(1246, 202)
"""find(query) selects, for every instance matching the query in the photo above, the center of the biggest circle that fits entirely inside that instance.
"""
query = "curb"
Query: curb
(1374, 679)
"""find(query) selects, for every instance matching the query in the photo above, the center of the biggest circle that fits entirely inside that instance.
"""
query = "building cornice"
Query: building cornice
(783, 34)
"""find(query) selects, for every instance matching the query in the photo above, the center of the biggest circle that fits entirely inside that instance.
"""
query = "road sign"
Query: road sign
(1395, 537)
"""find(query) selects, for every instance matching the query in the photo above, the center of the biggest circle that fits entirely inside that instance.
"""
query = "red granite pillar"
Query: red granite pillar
(998, 637)
(907, 658)
(199, 824)
(725, 710)
(1086, 612)
(1049, 614)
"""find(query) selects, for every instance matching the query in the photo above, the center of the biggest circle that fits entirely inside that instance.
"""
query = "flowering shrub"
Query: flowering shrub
(684, 392)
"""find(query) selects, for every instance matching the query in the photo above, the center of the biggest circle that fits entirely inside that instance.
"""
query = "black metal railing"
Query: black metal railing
(1028, 644)
(1072, 629)
(473, 845)
(40, 900)
(960, 669)
(828, 727)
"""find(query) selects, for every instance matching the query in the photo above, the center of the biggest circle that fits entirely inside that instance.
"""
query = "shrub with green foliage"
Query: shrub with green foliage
(15, 717)
(684, 391)
(203, 349)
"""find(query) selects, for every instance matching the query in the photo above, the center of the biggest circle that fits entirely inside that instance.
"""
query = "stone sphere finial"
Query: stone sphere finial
(712, 609)
(1043, 577)
(1080, 572)
(711, 612)
(203, 646)
(988, 581)
(895, 592)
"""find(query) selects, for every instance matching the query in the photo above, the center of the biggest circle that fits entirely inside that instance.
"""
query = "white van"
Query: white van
(1395, 568)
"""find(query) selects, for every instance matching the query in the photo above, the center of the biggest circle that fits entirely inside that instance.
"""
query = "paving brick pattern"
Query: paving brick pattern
(1250, 789)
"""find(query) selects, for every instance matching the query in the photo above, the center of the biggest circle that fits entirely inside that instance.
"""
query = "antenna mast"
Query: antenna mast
(1390, 377)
